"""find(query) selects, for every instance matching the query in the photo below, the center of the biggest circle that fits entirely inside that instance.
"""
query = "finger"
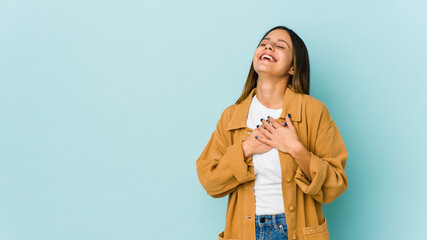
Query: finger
(274, 122)
(267, 126)
(289, 120)
(264, 140)
(264, 131)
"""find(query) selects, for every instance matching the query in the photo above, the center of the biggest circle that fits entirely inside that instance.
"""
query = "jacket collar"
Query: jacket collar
(292, 103)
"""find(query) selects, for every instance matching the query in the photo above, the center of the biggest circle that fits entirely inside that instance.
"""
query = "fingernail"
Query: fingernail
(289, 115)
(256, 137)
(268, 117)
(286, 124)
(261, 119)
(257, 126)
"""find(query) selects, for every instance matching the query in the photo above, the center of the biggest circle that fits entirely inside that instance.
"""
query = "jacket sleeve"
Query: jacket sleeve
(327, 164)
(222, 167)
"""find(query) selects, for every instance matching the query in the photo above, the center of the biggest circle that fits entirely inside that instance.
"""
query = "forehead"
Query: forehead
(279, 34)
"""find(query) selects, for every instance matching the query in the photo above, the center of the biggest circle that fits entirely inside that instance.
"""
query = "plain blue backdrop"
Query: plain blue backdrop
(106, 105)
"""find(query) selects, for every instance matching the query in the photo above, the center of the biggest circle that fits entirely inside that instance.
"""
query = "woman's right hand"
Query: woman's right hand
(253, 146)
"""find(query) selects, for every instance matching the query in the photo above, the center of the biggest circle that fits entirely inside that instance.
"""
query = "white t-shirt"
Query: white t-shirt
(268, 182)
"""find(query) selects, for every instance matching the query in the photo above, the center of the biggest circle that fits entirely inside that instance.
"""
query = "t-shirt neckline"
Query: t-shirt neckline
(262, 106)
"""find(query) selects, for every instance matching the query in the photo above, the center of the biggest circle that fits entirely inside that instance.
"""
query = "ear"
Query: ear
(291, 71)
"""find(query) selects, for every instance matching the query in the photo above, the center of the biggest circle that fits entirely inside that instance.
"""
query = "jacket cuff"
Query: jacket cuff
(318, 170)
(238, 163)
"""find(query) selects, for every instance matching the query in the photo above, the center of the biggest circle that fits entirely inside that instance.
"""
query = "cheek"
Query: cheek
(255, 57)
(286, 58)
(256, 52)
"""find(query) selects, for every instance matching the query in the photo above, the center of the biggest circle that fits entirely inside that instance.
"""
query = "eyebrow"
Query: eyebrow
(278, 40)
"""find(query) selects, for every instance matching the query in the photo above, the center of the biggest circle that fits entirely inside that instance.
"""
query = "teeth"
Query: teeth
(267, 56)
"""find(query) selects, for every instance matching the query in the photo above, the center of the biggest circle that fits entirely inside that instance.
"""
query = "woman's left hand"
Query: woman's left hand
(283, 138)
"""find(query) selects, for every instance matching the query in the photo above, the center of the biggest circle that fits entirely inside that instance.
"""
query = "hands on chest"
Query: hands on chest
(283, 137)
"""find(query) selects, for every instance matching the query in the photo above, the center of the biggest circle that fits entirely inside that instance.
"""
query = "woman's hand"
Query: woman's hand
(252, 145)
(283, 137)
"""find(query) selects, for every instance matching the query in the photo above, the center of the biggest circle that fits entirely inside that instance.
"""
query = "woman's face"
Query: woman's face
(278, 45)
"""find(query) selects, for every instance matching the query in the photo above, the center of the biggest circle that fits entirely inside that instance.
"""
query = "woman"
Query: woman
(276, 152)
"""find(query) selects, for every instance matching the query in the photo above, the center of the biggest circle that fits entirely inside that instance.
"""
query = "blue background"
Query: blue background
(106, 105)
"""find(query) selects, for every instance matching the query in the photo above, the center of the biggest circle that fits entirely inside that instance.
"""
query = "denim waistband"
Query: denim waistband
(274, 220)
(276, 216)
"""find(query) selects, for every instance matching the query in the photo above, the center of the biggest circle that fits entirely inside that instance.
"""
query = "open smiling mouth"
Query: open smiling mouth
(266, 57)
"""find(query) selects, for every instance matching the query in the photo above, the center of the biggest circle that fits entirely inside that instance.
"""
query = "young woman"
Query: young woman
(276, 152)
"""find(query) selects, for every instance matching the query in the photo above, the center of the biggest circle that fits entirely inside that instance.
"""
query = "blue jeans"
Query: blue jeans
(271, 227)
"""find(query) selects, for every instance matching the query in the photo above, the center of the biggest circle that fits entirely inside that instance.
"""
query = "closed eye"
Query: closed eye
(263, 44)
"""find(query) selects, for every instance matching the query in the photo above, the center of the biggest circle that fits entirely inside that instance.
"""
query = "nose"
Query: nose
(268, 46)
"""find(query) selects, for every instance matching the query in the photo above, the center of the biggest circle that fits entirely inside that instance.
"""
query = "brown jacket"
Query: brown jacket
(223, 170)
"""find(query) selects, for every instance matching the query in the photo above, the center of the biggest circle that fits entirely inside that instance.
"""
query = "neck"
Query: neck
(270, 91)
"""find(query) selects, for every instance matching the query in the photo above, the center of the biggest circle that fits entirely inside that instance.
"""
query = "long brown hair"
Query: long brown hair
(300, 81)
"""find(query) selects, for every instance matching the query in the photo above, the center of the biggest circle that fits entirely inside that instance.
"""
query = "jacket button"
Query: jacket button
(288, 179)
(291, 208)
(294, 236)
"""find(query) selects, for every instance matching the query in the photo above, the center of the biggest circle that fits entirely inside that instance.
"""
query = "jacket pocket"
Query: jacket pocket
(221, 237)
(319, 232)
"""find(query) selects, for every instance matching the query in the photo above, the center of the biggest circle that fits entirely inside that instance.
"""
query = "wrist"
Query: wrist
(246, 151)
(297, 150)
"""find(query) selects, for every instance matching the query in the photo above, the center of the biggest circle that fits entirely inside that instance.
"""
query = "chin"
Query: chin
(263, 69)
